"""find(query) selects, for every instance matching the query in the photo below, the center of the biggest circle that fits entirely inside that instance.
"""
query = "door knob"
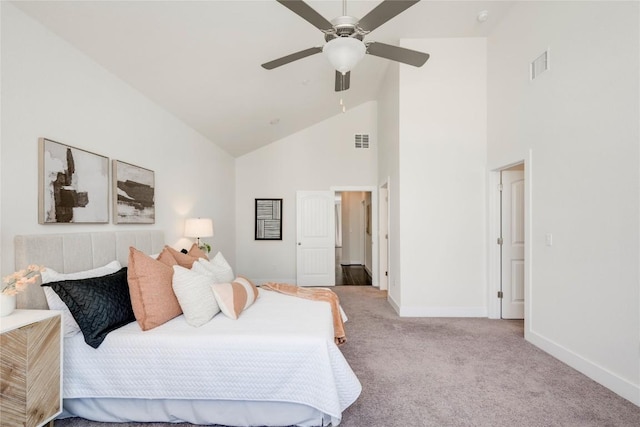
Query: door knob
(299, 244)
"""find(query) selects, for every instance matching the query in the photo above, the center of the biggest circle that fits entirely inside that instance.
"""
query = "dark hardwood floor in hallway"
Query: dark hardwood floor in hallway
(350, 274)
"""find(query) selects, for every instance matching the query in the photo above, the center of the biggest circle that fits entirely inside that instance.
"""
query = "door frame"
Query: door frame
(374, 223)
(493, 232)
(383, 266)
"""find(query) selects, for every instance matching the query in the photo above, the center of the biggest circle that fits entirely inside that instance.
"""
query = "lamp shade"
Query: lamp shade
(344, 53)
(198, 227)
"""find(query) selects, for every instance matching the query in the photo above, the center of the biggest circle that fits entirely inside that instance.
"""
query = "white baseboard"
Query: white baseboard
(442, 311)
(350, 262)
(599, 374)
(393, 303)
(368, 270)
(404, 311)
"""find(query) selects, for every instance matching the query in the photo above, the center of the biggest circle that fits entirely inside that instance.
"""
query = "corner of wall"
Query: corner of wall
(393, 304)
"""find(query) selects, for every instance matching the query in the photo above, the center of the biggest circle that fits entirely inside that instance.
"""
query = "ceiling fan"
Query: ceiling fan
(344, 36)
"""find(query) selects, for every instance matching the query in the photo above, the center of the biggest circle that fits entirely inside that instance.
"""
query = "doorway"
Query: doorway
(354, 237)
(512, 242)
(316, 234)
(504, 234)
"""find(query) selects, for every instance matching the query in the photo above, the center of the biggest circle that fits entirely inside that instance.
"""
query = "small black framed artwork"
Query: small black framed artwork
(268, 219)
(73, 185)
(133, 194)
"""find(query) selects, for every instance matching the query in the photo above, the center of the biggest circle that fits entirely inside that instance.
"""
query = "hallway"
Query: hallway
(350, 274)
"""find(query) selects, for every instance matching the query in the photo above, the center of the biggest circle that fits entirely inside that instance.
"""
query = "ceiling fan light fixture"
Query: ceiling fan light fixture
(344, 53)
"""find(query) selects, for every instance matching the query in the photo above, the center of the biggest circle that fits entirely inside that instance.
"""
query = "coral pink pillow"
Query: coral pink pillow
(183, 260)
(152, 297)
(166, 258)
(197, 252)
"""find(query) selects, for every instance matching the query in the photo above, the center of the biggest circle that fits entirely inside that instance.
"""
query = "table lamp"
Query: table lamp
(199, 227)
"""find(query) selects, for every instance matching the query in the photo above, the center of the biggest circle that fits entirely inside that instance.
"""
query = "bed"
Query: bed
(276, 365)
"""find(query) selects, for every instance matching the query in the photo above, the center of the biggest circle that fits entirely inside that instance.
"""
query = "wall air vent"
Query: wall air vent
(362, 140)
(539, 65)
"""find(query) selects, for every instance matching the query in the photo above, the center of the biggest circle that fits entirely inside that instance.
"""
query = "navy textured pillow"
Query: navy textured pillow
(99, 304)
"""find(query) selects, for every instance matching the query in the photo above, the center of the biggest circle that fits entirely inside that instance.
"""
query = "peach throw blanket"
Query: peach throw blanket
(315, 294)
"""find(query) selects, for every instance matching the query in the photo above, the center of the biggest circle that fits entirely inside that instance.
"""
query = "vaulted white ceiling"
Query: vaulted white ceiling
(200, 60)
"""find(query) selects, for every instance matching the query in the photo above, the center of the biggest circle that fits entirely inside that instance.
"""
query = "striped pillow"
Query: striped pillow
(235, 297)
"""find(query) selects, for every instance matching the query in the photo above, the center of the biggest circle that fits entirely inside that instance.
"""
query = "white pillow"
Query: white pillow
(195, 295)
(219, 267)
(199, 268)
(70, 326)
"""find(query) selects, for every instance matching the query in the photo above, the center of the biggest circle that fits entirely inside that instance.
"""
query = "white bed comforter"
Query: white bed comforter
(280, 349)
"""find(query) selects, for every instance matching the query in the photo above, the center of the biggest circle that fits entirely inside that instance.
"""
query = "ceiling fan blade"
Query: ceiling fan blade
(305, 11)
(383, 12)
(342, 81)
(395, 53)
(290, 58)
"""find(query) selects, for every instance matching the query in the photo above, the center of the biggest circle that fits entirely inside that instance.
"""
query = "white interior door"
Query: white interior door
(315, 225)
(512, 275)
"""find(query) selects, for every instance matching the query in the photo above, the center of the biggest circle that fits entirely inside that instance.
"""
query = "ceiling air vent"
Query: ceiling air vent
(540, 65)
(362, 140)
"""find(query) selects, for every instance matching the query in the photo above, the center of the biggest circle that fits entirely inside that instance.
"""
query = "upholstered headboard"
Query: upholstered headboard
(72, 252)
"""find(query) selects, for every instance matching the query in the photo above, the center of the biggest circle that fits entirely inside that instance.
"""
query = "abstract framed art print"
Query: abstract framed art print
(268, 219)
(133, 194)
(73, 185)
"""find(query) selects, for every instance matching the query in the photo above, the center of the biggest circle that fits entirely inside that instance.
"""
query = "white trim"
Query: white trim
(393, 303)
(528, 242)
(443, 311)
(592, 370)
(384, 241)
(493, 251)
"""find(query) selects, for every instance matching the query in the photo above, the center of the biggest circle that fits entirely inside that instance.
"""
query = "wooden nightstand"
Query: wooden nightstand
(30, 367)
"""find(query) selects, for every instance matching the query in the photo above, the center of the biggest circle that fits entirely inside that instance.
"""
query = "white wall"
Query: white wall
(49, 89)
(1, 63)
(580, 121)
(442, 160)
(317, 158)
